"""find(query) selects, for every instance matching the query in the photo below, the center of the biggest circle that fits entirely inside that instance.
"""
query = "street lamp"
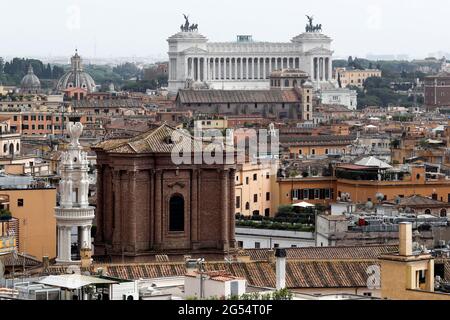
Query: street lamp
(200, 263)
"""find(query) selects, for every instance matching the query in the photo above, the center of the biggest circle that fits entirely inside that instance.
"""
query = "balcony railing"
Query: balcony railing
(9, 132)
(74, 213)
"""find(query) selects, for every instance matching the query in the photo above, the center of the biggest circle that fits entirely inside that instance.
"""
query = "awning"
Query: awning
(303, 205)
(74, 281)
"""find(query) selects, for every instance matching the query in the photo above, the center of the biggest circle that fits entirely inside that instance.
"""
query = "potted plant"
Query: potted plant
(5, 215)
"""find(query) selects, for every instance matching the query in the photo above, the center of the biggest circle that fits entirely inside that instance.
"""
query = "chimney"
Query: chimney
(45, 263)
(280, 255)
(405, 238)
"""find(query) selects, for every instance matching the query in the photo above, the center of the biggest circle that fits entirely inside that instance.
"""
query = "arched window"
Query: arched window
(443, 213)
(17, 147)
(286, 83)
(176, 213)
(5, 148)
(11, 149)
(428, 211)
(247, 206)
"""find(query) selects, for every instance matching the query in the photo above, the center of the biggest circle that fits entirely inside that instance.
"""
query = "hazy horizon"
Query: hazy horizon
(109, 29)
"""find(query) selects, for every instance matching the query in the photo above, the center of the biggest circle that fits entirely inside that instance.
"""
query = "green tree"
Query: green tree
(127, 70)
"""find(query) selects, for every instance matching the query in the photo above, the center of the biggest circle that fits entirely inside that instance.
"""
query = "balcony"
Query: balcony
(75, 213)
(9, 134)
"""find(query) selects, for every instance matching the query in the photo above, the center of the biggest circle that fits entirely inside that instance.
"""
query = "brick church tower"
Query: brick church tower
(148, 205)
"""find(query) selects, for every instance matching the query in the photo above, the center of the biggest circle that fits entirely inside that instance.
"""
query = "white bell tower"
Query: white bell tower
(74, 209)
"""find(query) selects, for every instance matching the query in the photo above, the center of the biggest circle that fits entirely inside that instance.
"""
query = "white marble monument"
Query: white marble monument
(74, 210)
(245, 64)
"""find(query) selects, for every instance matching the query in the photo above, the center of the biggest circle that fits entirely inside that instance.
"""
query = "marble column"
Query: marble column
(219, 69)
(236, 69)
(225, 69)
(246, 68)
(312, 69)
(329, 71)
(64, 244)
(264, 69)
(321, 69)
(199, 69)
(68, 244)
(60, 242)
(241, 68)
(85, 238)
(258, 70)
(316, 72)
(270, 65)
(205, 69)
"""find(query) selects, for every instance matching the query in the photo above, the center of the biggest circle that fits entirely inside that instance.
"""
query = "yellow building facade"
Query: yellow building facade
(356, 77)
(34, 208)
(408, 275)
(254, 191)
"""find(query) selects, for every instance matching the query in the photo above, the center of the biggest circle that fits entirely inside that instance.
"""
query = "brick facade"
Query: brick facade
(437, 91)
(133, 199)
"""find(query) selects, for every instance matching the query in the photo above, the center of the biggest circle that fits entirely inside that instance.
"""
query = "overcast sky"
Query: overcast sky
(112, 28)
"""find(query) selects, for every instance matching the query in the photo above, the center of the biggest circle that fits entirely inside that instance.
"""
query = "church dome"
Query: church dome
(76, 77)
(30, 82)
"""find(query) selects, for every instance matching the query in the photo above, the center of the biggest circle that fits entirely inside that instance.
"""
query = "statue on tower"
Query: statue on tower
(310, 27)
(187, 26)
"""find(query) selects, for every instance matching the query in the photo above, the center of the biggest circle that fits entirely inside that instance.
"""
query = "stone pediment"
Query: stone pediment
(194, 50)
(319, 51)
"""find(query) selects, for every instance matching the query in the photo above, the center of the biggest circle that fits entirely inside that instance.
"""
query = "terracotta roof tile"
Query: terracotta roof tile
(157, 140)
(237, 96)
(299, 274)
(326, 253)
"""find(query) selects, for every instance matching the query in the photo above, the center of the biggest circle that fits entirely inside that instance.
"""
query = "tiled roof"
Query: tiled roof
(299, 274)
(4, 118)
(327, 253)
(237, 96)
(288, 140)
(421, 201)
(330, 274)
(158, 140)
(9, 260)
(333, 267)
(108, 103)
